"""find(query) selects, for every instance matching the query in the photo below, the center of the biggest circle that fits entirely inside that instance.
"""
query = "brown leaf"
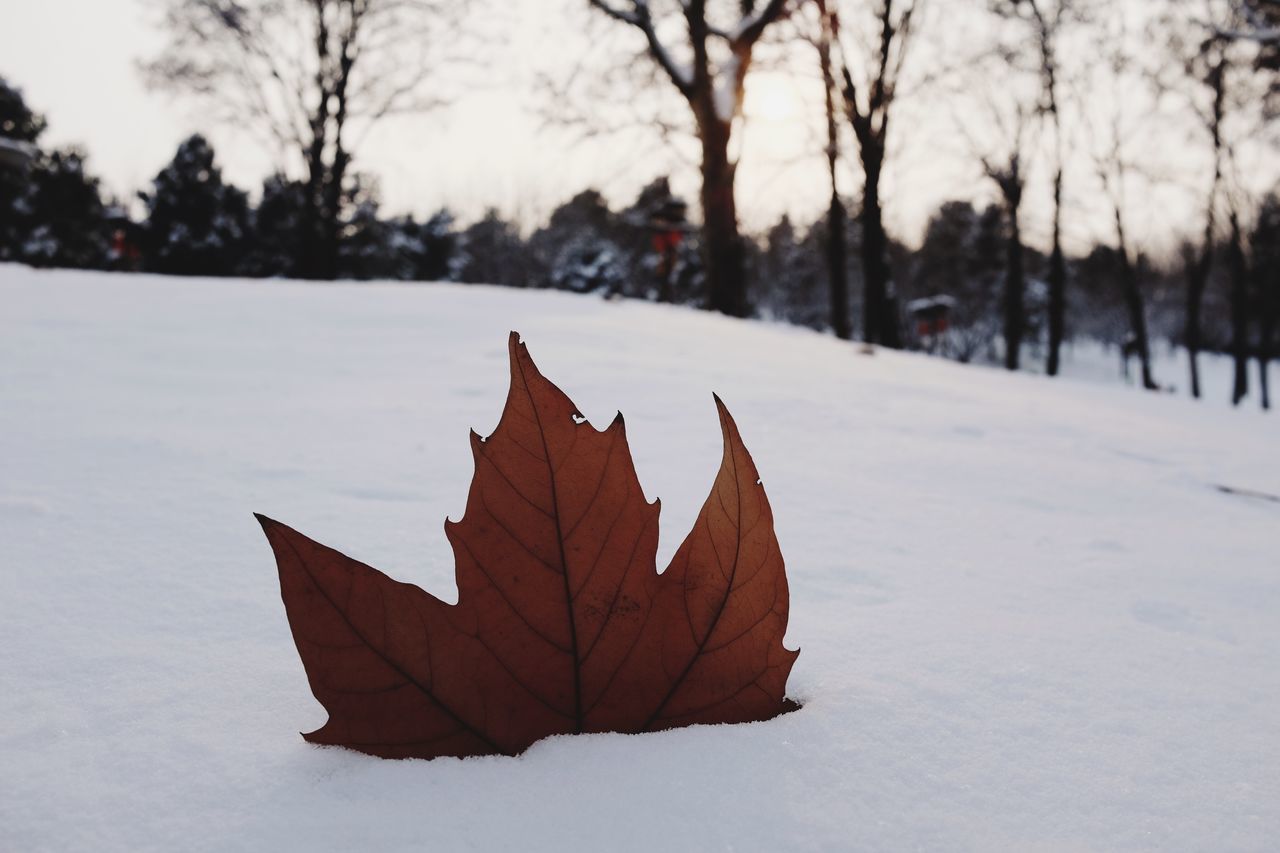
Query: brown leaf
(562, 623)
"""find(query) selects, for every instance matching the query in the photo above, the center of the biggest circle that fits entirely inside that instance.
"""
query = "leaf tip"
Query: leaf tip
(513, 350)
(727, 424)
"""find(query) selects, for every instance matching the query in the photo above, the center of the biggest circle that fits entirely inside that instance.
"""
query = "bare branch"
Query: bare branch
(750, 29)
(641, 18)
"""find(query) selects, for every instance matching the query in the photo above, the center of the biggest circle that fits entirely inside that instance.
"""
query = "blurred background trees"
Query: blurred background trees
(195, 224)
(1066, 122)
(707, 63)
(51, 209)
(309, 78)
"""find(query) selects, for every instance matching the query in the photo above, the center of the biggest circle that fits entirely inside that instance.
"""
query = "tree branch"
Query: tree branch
(753, 26)
(640, 18)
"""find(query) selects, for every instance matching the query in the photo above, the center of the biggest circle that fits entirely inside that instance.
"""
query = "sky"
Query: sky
(77, 61)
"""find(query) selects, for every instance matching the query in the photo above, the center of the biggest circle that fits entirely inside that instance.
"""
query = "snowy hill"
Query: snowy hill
(1030, 616)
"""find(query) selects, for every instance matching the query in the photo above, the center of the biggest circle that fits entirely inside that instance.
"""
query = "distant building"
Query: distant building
(932, 318)
(932, 315)
(125, 253)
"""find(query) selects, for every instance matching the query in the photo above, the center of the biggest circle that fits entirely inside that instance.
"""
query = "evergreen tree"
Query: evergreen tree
(1266, 272)
(21, 128)
(493, 252)
(579, 246)
(51, 211)
(422, 251)
(1096, 303)
(275, 236)
(791, 281)
(588, 264)
(439, 257)
(64, 221)
(656, 269)
(585, 212)
(962, 257)
(17, 120)
(196, 224)
(364, 240)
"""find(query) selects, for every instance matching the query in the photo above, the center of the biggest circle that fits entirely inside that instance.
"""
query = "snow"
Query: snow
(1029, 617)
(1169, 367)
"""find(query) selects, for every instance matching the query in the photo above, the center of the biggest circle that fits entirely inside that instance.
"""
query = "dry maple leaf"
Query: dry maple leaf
(563, 624)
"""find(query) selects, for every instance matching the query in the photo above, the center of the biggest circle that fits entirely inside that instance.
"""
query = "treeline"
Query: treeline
(193, 222)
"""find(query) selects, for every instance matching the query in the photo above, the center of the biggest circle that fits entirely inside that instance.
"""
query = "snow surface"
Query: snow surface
(1030, 620)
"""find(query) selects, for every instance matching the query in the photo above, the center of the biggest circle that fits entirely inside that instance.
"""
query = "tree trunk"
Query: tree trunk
(837, 268)
(1138, 323)
(1048, 35)
(331, 224)
(334, 189)
(878, 324)
(721, 242)
(1057, 279)
(1133, 301)
(1195, 295)
(1264, 381)
(331, 228)
(1239, 315)
(1198, 273)
(1267, 299)
(837, 251)
(1014, 287)
(1198, 270)
(311, 263)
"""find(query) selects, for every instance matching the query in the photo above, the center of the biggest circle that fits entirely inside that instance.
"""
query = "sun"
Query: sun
(770, 97)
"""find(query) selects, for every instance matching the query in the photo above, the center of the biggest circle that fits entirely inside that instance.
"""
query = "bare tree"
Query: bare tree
(1266, 272)
(1002, 148)
(1239, 308)
(307, 77)
(1114, 168)
(837, 252)
(869, 100)
(1113, 172)
(1047, 19)
(1253, 20)
(710, 73)
(1200, 265)
(1262, 26)
(1204, 62)
(1008, 172)
(1009, 177)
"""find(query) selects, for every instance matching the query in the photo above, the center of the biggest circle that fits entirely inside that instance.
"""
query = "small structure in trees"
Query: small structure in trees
(931, 318)
(668, 225)
(127, 237)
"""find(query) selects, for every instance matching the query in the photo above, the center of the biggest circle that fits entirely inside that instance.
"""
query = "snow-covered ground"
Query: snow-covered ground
(1030, 618)
(1094, 362)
